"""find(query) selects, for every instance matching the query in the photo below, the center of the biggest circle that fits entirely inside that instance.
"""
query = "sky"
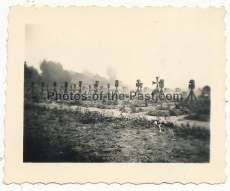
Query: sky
(175, 45)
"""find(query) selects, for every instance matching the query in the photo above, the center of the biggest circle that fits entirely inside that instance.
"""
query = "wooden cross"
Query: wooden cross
(138, 84)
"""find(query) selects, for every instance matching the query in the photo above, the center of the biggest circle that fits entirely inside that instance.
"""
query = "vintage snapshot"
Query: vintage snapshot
(116, 88)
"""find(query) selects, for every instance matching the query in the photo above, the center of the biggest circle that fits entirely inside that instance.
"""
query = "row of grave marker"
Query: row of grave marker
(96, 85)
(139, 85)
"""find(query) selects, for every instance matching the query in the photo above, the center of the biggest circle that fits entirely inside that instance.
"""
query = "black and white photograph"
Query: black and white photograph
(115, 95)
(118, 95)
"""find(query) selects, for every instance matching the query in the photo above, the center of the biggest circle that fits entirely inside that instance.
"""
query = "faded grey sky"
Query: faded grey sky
(176, 45)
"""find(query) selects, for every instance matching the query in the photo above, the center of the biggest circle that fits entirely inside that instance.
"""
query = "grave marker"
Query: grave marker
(66, 87)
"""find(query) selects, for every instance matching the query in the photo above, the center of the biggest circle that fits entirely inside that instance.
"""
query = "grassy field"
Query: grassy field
(80, 135)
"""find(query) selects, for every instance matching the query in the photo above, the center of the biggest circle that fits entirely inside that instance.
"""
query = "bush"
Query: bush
(132, 109)
(115, 102)
(162, 108)
(157, 113)
(122, 108)
(198, 117)
(100, 106)
(146, 103)
(175, 112)
(194, 131)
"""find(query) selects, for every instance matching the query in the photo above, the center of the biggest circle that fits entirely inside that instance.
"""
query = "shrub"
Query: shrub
(162, 108)
(132, 109)
(122, 108)
(197, 117)
(157, 113)
(194, 131)
(175, 112)
(146, 103)
(115, 102)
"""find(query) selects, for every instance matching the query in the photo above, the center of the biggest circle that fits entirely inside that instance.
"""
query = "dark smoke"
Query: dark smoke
(54, 72)
(31, 74)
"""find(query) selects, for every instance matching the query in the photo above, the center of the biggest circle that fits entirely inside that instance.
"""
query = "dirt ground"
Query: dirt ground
(57, 135)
